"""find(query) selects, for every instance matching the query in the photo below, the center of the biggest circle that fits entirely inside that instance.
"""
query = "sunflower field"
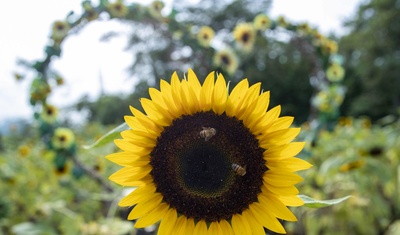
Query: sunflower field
(239, 123)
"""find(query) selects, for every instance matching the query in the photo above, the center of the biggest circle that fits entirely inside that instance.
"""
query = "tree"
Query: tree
(372, 54)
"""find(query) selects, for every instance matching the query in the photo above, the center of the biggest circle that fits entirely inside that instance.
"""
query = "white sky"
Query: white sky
(25, 26)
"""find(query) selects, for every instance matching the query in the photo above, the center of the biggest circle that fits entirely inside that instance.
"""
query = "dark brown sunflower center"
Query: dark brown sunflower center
(208, 166)
(225, 59)
(245, 37)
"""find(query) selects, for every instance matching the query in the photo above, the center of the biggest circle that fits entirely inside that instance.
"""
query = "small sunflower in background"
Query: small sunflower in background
(49, 114)
(118, 9)
(63, 139)
(282, 22)
(304, 28)
(24, 150)
(205, 36)
(59, 31)
(155, 9)
(335, 73)
(90, 13)
(262, 22)
(62, 170)
(227, 60)
(352, 165)
(245, 35)
(329, 47)
(209, 161)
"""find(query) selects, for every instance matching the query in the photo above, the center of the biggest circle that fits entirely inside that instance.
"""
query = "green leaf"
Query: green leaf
(314, 203)
(107, 138)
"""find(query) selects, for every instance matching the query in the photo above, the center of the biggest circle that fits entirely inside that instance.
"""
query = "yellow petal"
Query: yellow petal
(226, 227)
(220, 95)
(284, 151)
(281, 178)
(281, 123)
(291, 200)
(240, 225)
(266, 121)
(291, 164)
(146, 121)
(169, 100)
(257, 109)
(127, 174)
(189, 99)
(194, 82)
(215, 229)
(200, 228)
(279, 137)
(285, 191)
(137, 195)
(168, 222)
(139, 141)
(126, 158)
(206, 92)
(276, 207)
(256, 228)
(157, 97)
(265, 218)
(152, 217)
(236, 97)
(251, 95)
(156, 112)
(175, 91)
(146, 206)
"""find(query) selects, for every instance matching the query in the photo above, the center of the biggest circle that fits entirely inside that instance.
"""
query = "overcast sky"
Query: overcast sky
(25, 26)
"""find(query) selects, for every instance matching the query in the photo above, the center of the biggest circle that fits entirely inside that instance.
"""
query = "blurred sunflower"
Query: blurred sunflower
(155, 8)
(49, 114)
(59, 31)
(227, 60)
(117, 9)
(63, 138)
(328, 46)
(281, 21)
(245, 36)
(62, 170)
(203, 159)
(335, 73)
(90, 13)
(24, 150)
(205, 35)
(352, 165)
(262, 22)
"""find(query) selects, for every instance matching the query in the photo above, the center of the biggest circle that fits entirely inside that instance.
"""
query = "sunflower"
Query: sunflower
(335, 73)
(24, 150)
(205, 35)
(262, 22)
(59, 31)
(63, 138)
(227, 60)
(90, 13)
(245, 36)
(155, 9)
(49, 114)
(206, 160)
(118, 9)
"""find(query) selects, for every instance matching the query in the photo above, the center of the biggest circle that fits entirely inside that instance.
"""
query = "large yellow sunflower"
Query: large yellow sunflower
(206, 161)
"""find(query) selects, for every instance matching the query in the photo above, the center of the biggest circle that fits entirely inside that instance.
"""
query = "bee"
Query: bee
(239, 170)
(207, 133)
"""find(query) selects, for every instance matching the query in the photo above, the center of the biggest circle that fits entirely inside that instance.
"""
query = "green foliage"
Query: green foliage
(39, 198)
(372, 57)
(354, 159)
